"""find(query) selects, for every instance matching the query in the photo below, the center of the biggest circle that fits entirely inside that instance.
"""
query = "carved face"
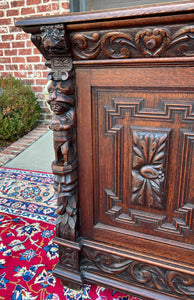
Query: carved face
(60, 96)
(58, 107)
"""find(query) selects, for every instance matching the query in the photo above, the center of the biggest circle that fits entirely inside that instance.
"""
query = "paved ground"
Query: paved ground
(34, 151)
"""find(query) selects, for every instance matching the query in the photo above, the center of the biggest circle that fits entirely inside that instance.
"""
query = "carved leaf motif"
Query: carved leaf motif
(117, 45)
(184, 37)
(84, 46)
(148, 168)
(149, 275)
(181, 283)
(71, 222)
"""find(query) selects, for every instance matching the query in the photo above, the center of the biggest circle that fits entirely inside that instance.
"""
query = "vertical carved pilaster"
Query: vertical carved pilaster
(54, 40)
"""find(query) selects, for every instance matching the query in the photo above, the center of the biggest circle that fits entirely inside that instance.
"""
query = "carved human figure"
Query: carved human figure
(62, 104)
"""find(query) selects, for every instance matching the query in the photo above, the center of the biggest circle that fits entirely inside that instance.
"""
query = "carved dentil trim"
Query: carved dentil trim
(131, 271)
(132, 43)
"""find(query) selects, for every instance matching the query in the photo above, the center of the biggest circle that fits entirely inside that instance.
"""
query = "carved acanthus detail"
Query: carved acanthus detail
(149, 42)
(131, 271)
(149, 151)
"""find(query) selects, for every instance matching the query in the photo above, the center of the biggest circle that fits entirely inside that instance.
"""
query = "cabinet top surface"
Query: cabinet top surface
(175, 8)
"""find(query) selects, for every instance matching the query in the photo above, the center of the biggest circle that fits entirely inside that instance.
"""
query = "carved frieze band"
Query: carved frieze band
(134, 43)
(128, 270)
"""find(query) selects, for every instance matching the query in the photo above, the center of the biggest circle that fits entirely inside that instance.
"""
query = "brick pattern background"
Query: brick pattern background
(18, 56)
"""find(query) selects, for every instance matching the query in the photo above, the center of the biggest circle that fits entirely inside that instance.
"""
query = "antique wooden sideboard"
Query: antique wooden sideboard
(122, 92)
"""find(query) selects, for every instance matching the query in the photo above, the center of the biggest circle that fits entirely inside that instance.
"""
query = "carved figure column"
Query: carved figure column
(54, 43)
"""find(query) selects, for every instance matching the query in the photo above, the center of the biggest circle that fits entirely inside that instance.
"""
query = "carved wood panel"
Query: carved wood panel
(142, 134)
(134, 271)
(148, 168)
(164, 41)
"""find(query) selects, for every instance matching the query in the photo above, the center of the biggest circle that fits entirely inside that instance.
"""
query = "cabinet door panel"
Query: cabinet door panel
(142, 141)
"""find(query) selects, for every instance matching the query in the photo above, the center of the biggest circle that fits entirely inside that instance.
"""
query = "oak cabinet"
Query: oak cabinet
(124, 146)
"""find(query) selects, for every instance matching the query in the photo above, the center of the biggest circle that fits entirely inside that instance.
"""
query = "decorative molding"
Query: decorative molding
(168, 41)
(142, 274)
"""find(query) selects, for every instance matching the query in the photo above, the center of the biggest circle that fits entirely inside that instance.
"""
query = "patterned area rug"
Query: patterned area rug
(27, 251)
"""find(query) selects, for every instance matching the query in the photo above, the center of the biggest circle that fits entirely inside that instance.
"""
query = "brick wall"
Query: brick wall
(18, 56)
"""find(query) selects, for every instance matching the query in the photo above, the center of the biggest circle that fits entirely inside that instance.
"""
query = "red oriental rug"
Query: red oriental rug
(27, 251)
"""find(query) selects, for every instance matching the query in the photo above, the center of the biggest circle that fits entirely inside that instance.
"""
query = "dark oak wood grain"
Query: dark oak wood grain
(122, 93)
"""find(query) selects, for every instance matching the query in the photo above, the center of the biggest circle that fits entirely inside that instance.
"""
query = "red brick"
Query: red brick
(37, 88)
(5, 60)
(65, 5)
(29, 44)
(29, 2)
(1, 52)
(2, 67)
(17, 3)
(18, 44)
(12, 67)
(6, 21)
(7, 37)
(33, 59)
(41, 81)
(27, 10)
(20, 18)
(10, 52)
(22, 36)
(25, 67)
(44, 8)
(3, 29)
(28, 81)
(4, 5)
(55, 6)
(44, 73)
(4, 45)
(14, 29)
(24, 51)
(18, 59)
(4, 74)
(43, 59)
(36, 51)
(41, 96)
(2, 13)
(12, 12)
(40, 67)
(20, 74)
